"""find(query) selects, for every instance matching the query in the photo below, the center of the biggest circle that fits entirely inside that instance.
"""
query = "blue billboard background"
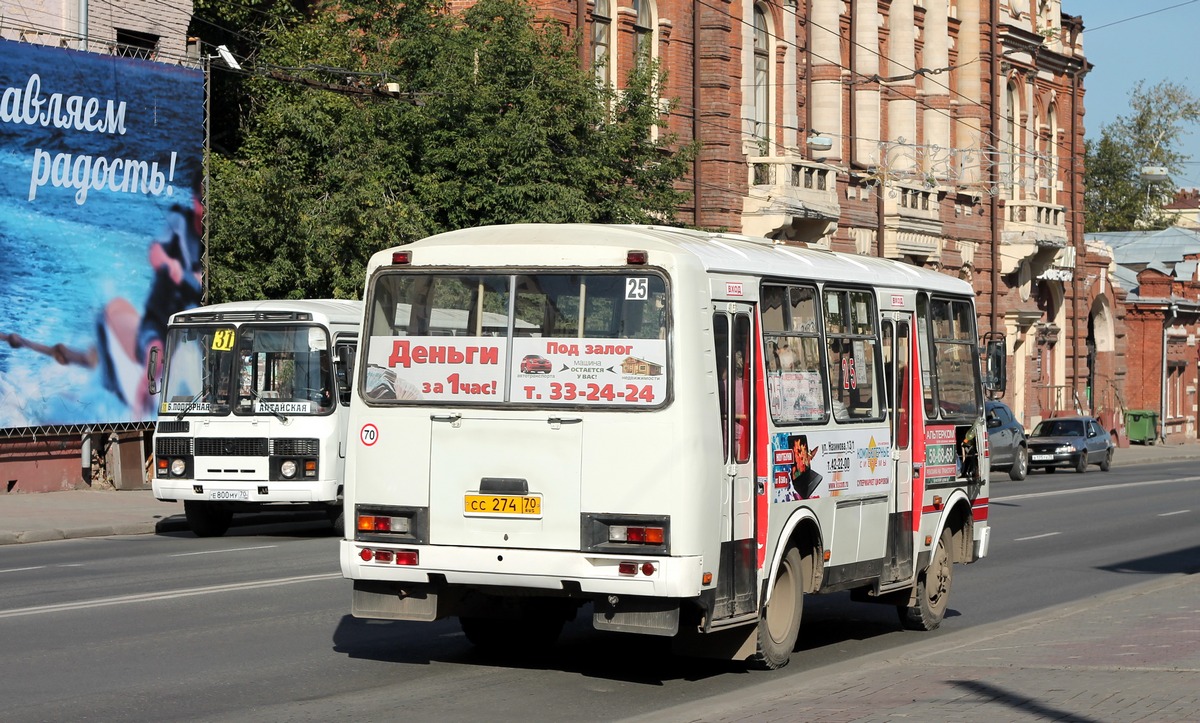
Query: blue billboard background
(100, 217)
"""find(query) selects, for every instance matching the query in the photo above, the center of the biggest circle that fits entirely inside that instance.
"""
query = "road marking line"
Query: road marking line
(232, 549)
(22, 569)
(165, 595)
(1036, 537)
(1176, 512)
(1055, 493)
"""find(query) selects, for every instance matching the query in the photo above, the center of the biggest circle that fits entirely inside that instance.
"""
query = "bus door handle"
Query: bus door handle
(556, 422)
(455, 420)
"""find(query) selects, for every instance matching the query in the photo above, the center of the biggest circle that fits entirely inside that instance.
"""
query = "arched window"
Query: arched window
(1052, 155)
(762, 82)
(643, 31)
(602, 42)
(1011, 142)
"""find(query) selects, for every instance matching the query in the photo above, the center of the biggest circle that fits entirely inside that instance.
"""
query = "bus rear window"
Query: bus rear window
(531, 338)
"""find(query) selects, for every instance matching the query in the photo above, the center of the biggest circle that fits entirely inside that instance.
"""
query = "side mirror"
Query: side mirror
(995, 363)
(343, 370)
(151, 377)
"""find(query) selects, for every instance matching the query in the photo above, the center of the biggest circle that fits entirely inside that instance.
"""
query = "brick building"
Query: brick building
(945, 133)
(151, 29)
(1161, 271)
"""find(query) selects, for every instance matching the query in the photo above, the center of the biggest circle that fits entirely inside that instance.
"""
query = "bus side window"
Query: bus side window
(721, 343)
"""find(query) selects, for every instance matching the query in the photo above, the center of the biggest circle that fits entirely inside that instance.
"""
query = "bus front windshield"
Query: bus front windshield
(253, 370)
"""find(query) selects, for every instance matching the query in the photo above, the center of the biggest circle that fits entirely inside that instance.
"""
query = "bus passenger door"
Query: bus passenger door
(733, 332)
(898, 352)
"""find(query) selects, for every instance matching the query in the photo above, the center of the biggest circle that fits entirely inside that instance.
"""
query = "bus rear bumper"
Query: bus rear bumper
(549, 570)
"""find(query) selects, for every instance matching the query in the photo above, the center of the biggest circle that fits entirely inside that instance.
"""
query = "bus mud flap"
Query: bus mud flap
(628, 614)
(388, 601)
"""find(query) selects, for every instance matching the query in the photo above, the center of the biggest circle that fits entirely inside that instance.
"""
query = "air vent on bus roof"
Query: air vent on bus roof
(202, 317)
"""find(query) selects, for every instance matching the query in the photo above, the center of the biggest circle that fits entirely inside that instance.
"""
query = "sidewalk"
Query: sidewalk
(1132, 654)
(1129, 655)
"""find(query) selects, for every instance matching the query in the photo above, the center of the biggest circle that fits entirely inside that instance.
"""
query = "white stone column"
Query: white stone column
(866, 96)
(934, 89)
(826, 101)
(968, 128)
(902, 109)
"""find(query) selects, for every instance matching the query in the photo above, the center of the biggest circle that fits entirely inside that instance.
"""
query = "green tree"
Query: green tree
(483, 117)
(1116, 196)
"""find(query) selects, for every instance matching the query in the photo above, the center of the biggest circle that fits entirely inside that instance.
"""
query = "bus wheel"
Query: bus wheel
(206, 519)
(933, 590)
(337, 518)
(779, 626)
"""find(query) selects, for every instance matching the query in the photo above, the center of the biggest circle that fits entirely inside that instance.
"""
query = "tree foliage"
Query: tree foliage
(489, 120)
(1116, 197)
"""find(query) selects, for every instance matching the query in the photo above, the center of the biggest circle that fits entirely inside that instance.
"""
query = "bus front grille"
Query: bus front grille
(231, 447)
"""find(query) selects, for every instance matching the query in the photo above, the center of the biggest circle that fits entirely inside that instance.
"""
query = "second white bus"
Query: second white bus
(684, 433)
(253, 409)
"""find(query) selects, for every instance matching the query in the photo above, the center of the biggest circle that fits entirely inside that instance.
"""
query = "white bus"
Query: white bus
(683, 432)
(255, 397)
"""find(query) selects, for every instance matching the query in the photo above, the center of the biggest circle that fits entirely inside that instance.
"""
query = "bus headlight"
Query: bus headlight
(288, 468)
(178, 467)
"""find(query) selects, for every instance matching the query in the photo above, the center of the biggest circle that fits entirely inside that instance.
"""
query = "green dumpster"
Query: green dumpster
(1141, 425)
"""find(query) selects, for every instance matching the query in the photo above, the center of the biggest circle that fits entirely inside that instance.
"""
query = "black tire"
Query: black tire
(1020, 465)
(1106, 463)
(1082, 464)
(337, 518)
(206, 519)
(779, 624)
(933, 590)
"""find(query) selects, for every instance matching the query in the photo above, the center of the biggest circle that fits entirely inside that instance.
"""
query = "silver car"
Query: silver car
(1073, 442)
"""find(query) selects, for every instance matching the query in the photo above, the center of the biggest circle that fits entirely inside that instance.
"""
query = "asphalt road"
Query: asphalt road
(254, 625)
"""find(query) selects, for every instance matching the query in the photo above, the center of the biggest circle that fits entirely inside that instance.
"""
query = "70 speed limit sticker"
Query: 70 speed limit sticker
(369, 434)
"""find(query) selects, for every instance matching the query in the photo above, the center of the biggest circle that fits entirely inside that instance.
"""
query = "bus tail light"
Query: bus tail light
(629, 568)
(625, 534)
(400, 557)
(382, 523)
(636, 257)
(402, 258)
(636, 535)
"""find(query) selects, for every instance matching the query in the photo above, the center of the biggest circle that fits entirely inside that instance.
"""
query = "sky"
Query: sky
(1151, 40)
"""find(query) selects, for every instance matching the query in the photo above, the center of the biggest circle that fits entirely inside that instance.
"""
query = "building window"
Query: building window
(602, 42)
(1012, 147)
(762, 82)
(643, 32)
(1052, 155)
(133, 44)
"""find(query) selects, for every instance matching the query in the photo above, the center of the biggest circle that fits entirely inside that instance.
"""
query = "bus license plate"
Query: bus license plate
(504, 505)
(229, 495)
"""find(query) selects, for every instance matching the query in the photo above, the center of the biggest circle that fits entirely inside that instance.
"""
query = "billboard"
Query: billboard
(100, 228)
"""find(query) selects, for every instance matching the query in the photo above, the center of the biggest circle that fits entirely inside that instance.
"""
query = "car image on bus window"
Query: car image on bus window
(534, 364)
